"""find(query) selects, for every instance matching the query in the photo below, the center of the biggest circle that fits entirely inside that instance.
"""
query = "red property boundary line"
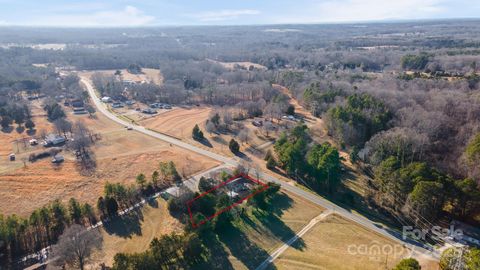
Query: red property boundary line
(189, 203)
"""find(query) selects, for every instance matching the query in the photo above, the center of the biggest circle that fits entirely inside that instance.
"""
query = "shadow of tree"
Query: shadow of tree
(153, 203)
(219, 139)
(20, 129)
(205, 142)
(217, 255)
(243, 156)
(250, 254)
(278, 228)
(31, 132)
(127, 225)
(8, 129)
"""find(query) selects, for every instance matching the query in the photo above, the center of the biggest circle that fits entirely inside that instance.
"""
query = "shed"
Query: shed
(58, 159)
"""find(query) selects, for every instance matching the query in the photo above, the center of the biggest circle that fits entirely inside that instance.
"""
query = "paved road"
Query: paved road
(391, 234)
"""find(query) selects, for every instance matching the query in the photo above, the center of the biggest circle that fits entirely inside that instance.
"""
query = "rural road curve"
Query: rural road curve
(389, 233)
(274, 255)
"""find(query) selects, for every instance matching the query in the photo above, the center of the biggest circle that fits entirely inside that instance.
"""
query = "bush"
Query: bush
(234, 146)
(408, 264)
(271, 163)
(197, 134)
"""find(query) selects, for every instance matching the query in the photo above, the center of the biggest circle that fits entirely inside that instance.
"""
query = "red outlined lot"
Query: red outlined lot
(237, 202)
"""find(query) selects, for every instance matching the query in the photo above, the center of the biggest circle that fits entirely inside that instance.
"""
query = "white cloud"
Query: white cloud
(129, 16)
(3, 22)
(367, 10)
(224, 15)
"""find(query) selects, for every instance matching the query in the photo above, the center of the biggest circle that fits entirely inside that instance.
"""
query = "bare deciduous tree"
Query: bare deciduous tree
(244, 136)
(75, 246)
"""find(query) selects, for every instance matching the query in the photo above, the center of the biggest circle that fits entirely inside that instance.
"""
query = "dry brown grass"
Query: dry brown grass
(327, 247)
(120, 155)
(148, 75)
(178, 122)
(245, 65)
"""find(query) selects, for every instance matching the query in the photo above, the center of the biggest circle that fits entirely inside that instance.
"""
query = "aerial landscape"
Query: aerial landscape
(339, 134)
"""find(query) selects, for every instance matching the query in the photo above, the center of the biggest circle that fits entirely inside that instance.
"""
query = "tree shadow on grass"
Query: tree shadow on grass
(127, 225)
(243, 156)
(205, 142)
(8, 129)
(218, 256)
(219, 139)
(278, 228)
(152, 202)
(20, 129)
(250, 254)
(31, 132)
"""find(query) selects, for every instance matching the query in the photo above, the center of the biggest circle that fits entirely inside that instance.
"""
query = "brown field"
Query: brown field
(245, 65)
(179, 123)
(120, 156)
(149, 75)
(327, 247)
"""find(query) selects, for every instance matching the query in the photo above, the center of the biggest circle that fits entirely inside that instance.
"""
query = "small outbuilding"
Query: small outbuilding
(106, 99)
(58, 159)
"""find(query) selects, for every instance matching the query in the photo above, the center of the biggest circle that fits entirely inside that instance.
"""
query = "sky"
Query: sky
(119, 13)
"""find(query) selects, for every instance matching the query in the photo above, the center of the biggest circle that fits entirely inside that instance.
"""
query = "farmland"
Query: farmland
(120, 155)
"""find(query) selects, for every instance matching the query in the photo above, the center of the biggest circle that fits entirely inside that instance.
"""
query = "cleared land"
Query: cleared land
(179, 123)
(244, 65)
(147, 75)
(336, 243)
(120, 155)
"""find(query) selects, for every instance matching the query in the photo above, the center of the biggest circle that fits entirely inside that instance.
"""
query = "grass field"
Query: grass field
(135, 232)
(336, 243)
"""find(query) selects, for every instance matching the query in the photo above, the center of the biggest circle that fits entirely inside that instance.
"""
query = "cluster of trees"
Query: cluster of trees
(419, 121)
(360, 118)
(414, 62)
(171, 251)
(54, 110)
(318, 164)
(214, 201)
(18, 112)
(117, 196)
(421, 192)
(43, 227)
(469, 259)
(197, 134)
